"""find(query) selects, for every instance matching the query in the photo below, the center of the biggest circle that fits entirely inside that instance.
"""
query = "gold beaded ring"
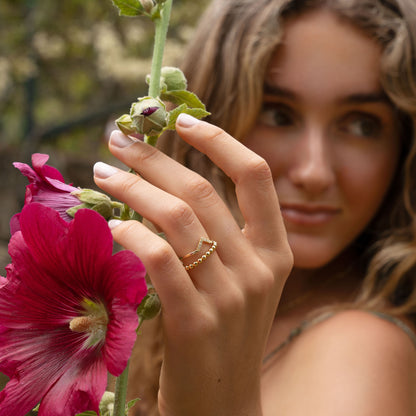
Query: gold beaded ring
(202, 240)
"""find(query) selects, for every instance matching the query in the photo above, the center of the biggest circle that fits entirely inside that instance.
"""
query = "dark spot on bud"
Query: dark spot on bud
(149, 111)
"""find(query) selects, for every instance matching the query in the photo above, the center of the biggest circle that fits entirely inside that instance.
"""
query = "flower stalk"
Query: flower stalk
(121, 393)
(161, 30)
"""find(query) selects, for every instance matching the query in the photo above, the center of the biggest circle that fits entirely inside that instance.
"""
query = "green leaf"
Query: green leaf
(197, 112)
(183, 108)
(178, 97)
(129, 7)
(87, 413)
(173, 115)
(131, 403)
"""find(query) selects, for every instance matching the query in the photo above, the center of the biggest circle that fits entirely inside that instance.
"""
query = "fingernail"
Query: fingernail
(103, 171)
(114, 223)
(185, 120)
(118, 139)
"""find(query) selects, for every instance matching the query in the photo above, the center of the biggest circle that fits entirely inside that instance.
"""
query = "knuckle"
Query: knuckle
(257, 169)
(159, 256)
(212, 133)
(201, 189)
(286, 263)
(180, 212)
(262, 282)
(232, 301)
(128, 184)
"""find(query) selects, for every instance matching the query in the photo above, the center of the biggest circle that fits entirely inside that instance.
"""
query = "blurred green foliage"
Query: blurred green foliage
(69, 67)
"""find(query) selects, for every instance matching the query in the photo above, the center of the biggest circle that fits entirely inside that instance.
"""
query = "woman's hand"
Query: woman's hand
(217, 316)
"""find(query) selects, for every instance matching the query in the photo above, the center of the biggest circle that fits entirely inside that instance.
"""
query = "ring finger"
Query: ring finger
(175, 217)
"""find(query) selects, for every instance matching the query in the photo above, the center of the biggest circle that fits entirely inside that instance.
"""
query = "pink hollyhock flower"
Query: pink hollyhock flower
(67, 313)
(46, 186)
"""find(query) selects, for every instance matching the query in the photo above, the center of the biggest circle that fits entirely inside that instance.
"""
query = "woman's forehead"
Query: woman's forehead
(320, 54)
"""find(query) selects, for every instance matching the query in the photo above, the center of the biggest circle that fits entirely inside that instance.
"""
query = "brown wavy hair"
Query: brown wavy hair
(226, 66)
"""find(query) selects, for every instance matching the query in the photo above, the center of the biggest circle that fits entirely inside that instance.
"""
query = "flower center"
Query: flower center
(93, 321)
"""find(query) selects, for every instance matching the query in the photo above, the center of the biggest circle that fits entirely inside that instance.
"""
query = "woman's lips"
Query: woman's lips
(304, 214)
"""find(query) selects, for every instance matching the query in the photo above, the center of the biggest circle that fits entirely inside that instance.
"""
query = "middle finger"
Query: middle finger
(187, 185)
(176, 218)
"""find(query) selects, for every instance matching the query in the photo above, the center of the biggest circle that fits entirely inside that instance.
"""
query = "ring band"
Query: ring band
(198, 261)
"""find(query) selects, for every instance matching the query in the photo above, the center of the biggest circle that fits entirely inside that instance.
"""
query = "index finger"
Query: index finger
(250, 173)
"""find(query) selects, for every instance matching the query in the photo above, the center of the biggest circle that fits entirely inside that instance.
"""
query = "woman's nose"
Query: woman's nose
(312, 167)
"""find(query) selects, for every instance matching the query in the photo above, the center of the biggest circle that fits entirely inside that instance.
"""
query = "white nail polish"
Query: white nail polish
(118, 139)
(103, 171)
(114, 223)
(186, 120)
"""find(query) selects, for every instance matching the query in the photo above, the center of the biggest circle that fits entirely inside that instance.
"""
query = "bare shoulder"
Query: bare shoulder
(352, 329)
(353, 363)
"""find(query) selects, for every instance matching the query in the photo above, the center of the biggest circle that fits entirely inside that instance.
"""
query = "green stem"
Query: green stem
(161, 30)
(121, 393)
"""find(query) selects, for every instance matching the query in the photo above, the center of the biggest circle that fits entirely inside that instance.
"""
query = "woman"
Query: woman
(322, 93)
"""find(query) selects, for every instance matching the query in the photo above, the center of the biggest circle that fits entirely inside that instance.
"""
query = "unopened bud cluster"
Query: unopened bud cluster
(147, 116)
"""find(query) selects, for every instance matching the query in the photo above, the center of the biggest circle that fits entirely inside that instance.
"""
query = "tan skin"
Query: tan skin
(220, 318)
(330, 138)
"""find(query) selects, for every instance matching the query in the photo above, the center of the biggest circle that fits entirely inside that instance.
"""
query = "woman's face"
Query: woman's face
(329, 134)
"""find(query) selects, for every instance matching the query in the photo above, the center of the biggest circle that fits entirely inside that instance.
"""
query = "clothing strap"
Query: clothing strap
(398, 322)
(324, 316)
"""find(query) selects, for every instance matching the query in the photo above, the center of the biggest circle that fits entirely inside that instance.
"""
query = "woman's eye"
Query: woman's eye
(275, 116)
(361, 125)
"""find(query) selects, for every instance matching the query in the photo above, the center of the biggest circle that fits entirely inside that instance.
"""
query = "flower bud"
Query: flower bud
(147, 5)
(125, 124)
(90, 196)
(92, 200)
(173, 78)
(149, 116)
(107, 403)
(104, 209)
(150, 305)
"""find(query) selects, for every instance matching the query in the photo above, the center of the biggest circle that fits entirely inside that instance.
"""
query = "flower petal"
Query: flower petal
(14, 224)
(15, 401)
(125, 279)
(44, 171)
(44, 232)
(31, 371)
(27, 171)
(90, 251)
(76, 391)
(120, 339)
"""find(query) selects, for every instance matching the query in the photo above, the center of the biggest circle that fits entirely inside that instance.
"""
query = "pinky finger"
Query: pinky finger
(166, 271)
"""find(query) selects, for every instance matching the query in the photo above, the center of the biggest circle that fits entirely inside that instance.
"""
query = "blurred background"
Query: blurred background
(68, 69)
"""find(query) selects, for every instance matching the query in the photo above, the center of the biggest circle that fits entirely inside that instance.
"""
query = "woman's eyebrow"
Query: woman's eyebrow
(354, 98)
(363, 98)
(271, 90)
